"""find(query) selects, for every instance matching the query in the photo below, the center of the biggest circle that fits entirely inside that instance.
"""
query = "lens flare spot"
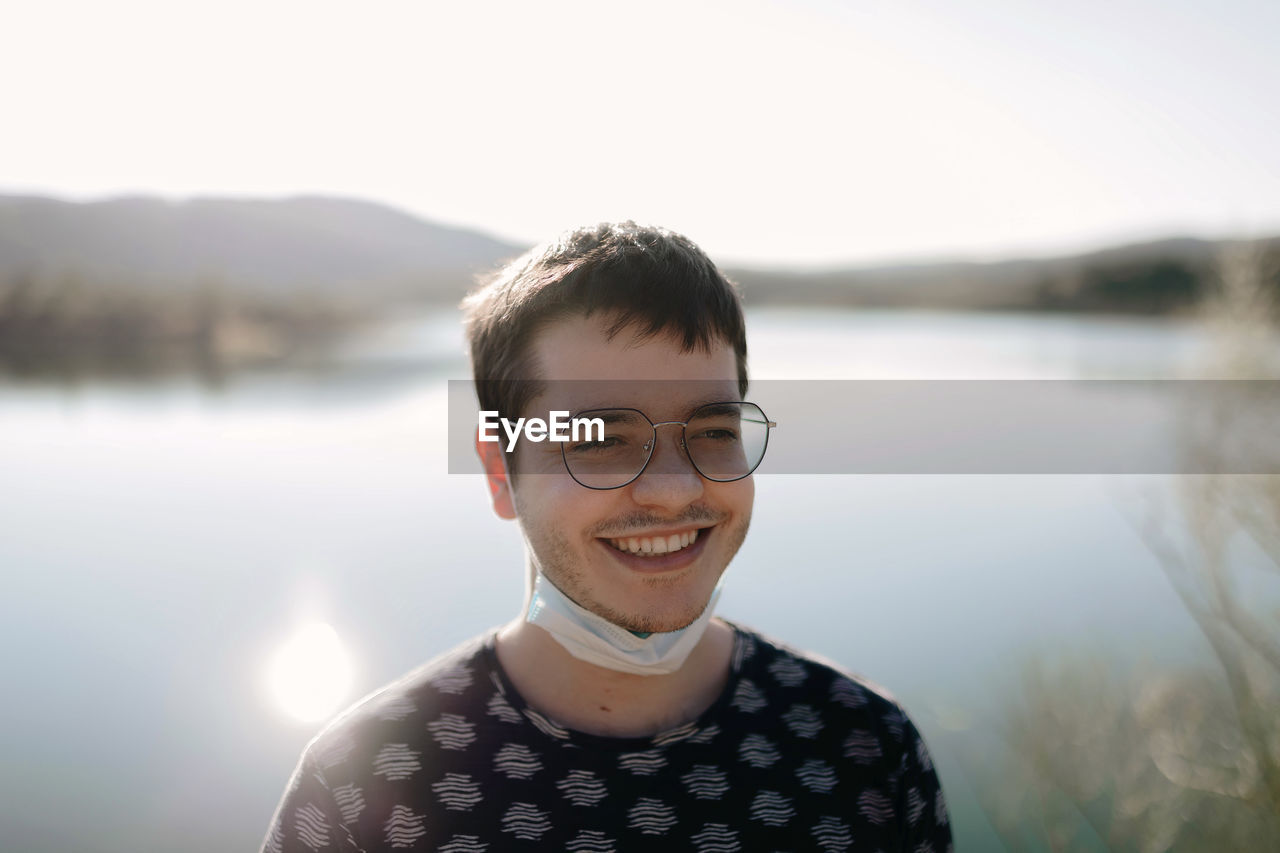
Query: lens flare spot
(310, 674)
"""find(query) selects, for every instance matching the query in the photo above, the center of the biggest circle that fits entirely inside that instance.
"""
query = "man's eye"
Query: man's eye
(585, 447)
(717, 435)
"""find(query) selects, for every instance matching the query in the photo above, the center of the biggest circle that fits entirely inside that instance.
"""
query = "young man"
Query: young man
(616, 713)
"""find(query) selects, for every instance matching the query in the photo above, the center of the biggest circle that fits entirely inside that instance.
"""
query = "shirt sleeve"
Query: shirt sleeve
(307, 819)
(922, 810)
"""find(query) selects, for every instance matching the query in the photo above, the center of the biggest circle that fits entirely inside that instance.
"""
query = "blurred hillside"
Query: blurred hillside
(358, 250)
(304, 245)
(130, 283)
(1155, 278)
(143, 285)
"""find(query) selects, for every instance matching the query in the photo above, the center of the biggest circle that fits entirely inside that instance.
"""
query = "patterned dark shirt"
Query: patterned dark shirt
(794, 755)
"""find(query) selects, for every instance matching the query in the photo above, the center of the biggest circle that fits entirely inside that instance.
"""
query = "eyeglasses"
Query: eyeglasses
(724, 442)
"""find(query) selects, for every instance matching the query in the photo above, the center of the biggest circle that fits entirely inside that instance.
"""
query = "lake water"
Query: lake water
(159, 541)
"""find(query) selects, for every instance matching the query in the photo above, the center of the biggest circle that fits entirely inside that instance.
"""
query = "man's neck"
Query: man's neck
(595, 700)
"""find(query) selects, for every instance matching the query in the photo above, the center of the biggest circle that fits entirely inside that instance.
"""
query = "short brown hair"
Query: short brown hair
(648, 278)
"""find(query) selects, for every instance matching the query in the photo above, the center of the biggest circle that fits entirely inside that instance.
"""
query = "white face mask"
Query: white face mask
(596, 640)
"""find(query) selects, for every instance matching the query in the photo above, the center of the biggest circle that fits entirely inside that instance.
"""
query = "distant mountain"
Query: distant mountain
(273, 247)
(322, 247)
(1145, 278)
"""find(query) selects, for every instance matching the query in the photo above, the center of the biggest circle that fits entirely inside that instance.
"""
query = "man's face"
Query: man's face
(572, 531)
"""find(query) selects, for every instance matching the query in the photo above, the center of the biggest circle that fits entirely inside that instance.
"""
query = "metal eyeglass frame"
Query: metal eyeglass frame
(653, 442)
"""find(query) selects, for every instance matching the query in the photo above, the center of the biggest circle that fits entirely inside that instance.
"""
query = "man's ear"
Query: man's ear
(495, 473)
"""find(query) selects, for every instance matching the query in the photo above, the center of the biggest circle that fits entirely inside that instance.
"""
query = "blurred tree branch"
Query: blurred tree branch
(1184, 758)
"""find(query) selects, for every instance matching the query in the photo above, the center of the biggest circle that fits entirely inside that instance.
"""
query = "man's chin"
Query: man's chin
(641, 623)
(644, 609)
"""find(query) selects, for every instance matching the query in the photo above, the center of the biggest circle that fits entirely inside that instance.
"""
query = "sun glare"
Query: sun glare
(310, 673)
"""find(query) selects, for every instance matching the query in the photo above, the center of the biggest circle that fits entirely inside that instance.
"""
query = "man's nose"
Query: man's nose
(669, 480)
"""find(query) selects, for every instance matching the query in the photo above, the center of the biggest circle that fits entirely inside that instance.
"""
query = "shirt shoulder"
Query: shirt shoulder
(434, 702)
(847, 734)
(824, 708)
(354, 776)
(771, 664)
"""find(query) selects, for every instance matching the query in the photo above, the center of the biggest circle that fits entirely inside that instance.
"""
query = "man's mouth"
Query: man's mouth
(655, 545)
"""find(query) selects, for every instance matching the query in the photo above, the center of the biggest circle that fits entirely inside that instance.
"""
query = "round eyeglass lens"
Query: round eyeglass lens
(613, 457)
(726, 441)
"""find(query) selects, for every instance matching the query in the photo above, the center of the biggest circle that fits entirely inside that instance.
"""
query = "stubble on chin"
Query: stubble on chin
(555, 558)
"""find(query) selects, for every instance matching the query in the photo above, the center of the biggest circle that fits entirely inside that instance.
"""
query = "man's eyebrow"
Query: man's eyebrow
(608, 414)
(716, 405)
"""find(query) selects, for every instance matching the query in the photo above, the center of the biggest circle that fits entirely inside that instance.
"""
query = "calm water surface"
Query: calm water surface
(159, 541)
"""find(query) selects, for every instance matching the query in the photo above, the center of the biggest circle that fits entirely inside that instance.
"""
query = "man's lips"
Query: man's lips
(664, 561)
(656, 543)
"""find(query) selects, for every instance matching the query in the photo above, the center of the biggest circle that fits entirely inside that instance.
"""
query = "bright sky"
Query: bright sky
(800, 132)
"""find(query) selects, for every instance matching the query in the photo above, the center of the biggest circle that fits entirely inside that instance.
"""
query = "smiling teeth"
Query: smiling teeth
(655, 545)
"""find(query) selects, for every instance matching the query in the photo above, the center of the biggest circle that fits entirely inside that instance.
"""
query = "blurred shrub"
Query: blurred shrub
(63, 327)
(1183, 758)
